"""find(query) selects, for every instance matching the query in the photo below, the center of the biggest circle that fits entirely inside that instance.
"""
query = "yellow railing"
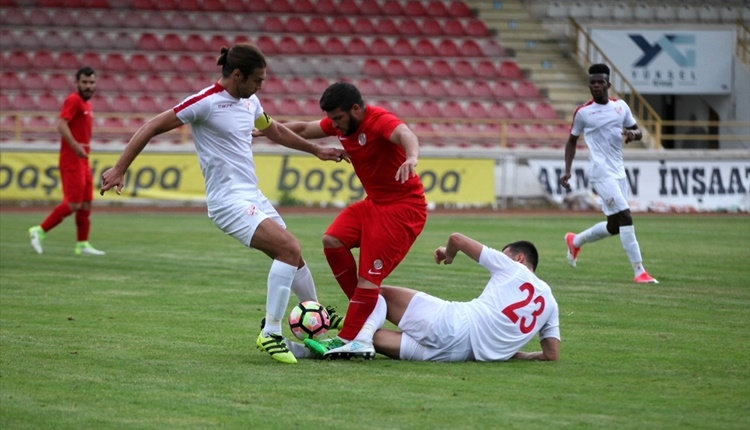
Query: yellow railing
(585, 51)
(743, 42)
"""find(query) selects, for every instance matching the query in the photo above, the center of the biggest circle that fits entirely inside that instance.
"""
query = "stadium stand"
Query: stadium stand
(425, 58)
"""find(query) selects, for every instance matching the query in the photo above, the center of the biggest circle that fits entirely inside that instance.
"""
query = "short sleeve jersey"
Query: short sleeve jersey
(514, 306)
(602, 126)
(222, 130)
(375, 158)
(79, 115)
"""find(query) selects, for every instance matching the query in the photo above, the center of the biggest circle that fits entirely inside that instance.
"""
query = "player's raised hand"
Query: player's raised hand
(441, 256)
(110, 179)
(333, 154)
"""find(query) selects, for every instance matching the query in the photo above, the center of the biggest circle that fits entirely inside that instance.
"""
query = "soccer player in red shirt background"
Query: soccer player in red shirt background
(74, 125)
(384, 153)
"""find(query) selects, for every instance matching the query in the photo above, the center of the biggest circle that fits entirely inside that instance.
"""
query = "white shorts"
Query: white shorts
(614, 194)
(241, 218)
(434, 330)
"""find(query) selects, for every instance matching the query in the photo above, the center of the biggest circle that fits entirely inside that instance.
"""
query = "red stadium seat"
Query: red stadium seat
(149, 42)
(288, 46)
(93, 60)
(357, 46)
(120, 104)
(33, 81)
(367, 87)
(435, 88)
(6, 105)
(318, 25)
(504, 90)
(140, 63)
(395, 68)
(318, 85)
(348, 7)
(481, 89)
(49, 101)
(470, 48)
(389, 87)
(425, 48)
(442, 69)
(280, 6)
(527, 90)
(453, 27)
(430, 109)
(341, 25)
(380, 47)
(387, 26)
(147, 104)
(463, 69)
(498, 109)
(102, 41)
(10, 81)
(289, 107)
(447, 48)
(64, 82)
(312, 46)
(412, 87)
(521, 111)
(107, 83)
(162, 63)
(325, 8)
(295, 24)
(406, 109)
(453, 109)
(459, 88)
(486, 69)
(510, 70)
(544, 110)
(365, 25)
(304, 7)
(70, 61)
(392, 8)
(296, 85)
(44, 60)
(217, 41)
(475, 109)
(419, 69)
(24, 102)
(431, 27)
(132, 82)
(213, 6)
(437, 8)
(274, 24)
(409, 27)
(402, 48)
(370, 8)
(123, 41)
(267, 45)
(30, 40)
(77, 41)
(40, 17)
(476, 28)
(196, 43)
(273, 85)
(173, 42)
(114, 62)
(334, 46)
(414, 8)
(458, 8)
(19, 59)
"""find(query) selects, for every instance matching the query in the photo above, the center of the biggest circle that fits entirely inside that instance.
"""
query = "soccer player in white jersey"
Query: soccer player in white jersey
(222, 117)
(605, 121)
(514, 307)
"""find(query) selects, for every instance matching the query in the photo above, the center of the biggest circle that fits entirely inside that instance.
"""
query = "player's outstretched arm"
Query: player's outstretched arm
(282, 135)
(550, 351)
(159, 124)
(458, 242)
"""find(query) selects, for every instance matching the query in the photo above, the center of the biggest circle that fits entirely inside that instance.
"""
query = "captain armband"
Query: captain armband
(263, 121)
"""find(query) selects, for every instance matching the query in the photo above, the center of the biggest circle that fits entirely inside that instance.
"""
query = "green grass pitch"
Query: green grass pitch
(160, 333)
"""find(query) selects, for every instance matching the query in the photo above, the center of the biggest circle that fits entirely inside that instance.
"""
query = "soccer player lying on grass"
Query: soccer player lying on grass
(514, 306)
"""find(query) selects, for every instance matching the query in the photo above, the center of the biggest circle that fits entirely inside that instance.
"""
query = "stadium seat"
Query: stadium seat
(318, 84)
(162, 63)
(579, 10)
(601, 11)
(409, 27)
(425, 48)
(644, 12)
(364, 25)
(708, 13)
(458, 88)
(491, 48)
(295, 24)
(44, 60)
(10, 81)
(267, 45)
(348, 7)
(274, 24)
(49, 101)
(504, 90)
(463, 69)
(288, 107)
(120, 103)
(527, 90)
(76, 40)
(544, 110)
(402, 47)
(470, 48)
(458, 9)
(172, 42)
(380, 47)
(147, 104)
(481, 89)
(389, 87)
(395, 68)
(476, 28)
(475, 109)
(341, 25)
(441, 69)
(311, 46)
(70, 61)
(392, 8)
(666, 13)
(418, 68)
(334, 46)
(288, 46)
(357, 47)
(149, 42)
(687, 13)
(62, 82)
(195, 43)
(105, 83)
(556, 10)
(486, 69)
(24, 102)
(435, 88)
(521, 110)
(430, 109)
(318, 25)
(406, 109)
(216, 41)
(453, 27)
(140, 63)
(370, 8)
(12, 16)
(325, 8)
(387, 26)
(367, 86)
(19, 59)
(296, 85)
(304, 7)
(33, 81)
(447, 48)
(122, 41)
(498, 109)
(452, 109)
(509, 70)
(412, 87)
(414, 8)
(40, 17)
(132, 82)
(102, 41)
(432, 27)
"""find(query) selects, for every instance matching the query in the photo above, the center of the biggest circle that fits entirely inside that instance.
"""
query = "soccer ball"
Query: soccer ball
(309, 320)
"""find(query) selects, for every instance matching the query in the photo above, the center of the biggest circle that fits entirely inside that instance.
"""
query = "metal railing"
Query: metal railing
(742, 49)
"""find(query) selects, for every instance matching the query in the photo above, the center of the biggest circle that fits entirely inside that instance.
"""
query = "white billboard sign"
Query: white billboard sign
(671, 61)
(663, 185)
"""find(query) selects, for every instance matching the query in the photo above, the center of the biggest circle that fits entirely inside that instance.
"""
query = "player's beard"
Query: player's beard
(351, 127)
(86, 94)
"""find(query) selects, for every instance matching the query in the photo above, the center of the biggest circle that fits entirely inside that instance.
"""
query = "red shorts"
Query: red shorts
(77, 182)
(383, 232)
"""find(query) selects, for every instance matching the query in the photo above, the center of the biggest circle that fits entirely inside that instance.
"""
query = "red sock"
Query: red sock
(83, 224)
(58, 214)
(361, 306)
(344, 268)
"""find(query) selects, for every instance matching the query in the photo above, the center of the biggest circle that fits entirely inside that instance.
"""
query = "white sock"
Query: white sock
(630, 244)
(303, 285)
(596, 232)
(374, 321)
(279, 288)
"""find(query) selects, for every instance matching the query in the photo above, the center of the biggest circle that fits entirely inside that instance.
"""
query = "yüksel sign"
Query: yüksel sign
(671, 61)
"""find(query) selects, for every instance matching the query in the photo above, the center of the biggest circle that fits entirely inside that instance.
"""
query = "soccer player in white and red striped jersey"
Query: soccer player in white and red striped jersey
(605, 121)
(222, 118)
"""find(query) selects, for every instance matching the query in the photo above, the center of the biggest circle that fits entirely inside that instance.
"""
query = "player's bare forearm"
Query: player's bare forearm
(550, 351)
(306, 129)
(459, 242)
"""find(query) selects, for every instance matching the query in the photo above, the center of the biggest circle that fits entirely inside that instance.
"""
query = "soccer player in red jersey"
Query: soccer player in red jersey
(74, 125)
(384, 153)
